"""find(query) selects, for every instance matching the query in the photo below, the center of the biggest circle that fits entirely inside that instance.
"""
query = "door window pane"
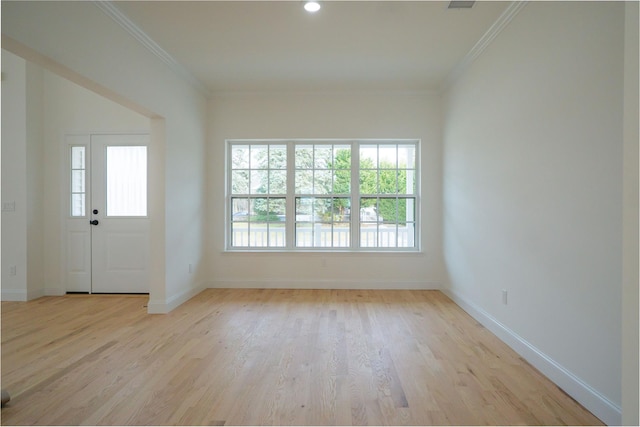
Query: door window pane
(126, 181)
(78, 185)
(77, 205)
(78, 155)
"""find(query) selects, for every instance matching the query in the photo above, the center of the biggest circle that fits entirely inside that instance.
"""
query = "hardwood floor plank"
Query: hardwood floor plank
(268, 357)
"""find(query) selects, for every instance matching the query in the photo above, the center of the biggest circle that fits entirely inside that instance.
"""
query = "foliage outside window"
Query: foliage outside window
(302, 195)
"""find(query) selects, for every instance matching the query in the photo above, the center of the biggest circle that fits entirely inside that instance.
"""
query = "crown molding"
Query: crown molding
(112, 11)
(503, 20)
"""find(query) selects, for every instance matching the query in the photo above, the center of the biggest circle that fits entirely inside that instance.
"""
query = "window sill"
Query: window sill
(324, 252)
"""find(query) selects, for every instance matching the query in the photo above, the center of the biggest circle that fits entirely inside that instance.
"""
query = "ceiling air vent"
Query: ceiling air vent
(459, 4)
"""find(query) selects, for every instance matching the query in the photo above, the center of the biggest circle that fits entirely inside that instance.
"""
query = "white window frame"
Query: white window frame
(291, 196)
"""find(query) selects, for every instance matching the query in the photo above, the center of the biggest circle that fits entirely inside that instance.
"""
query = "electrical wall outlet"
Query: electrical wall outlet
(504, 296)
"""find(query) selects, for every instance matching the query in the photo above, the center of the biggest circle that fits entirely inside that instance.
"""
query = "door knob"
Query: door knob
(94, 222)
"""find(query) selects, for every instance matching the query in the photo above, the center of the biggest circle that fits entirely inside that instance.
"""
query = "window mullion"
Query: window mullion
(355, 195)
(228, 216)
(291, 196)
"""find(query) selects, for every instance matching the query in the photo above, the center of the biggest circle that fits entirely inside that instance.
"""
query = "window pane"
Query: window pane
(368, 156)
(322, 235)
(368, 182)
(240, 234)
(258, 234)
(322, 209)
(304, 208)
(277, 210)
(277, 235)
(126, 181)
(259, 209)
(341, 235)
(388, 158)
(368, 235)
(259, 157)
(278, 157)
(388, 210)
(304, 182)
(258, 222)
(342, 209)
(240, 157)
(240, 182)
(315, 235)
(304, 156)
(277, 218)
(277, 182)
(323, 222)
(259, 181)
(369, 210)
(406, 235)
(240, 210)
(323, 155)
(342, 182)
(304, 235)
(388, 181)
(407, 156)
(342, 157)
(322, 182)
(387, 236)
(407, 209)
(406, 181)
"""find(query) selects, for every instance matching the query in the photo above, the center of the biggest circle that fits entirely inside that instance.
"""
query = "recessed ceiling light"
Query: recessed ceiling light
(312, 6)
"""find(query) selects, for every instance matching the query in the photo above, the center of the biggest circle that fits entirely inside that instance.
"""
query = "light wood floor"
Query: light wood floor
(268, 357)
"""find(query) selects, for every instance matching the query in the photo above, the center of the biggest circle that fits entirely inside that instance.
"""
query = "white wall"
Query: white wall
(14, 174)
(22, 160)
(34, 182)
(81, 40)
(327, 115)
(69, 108)
(630, 295)
(533, 197)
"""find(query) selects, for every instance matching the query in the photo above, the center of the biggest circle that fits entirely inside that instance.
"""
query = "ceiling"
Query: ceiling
(347, 45)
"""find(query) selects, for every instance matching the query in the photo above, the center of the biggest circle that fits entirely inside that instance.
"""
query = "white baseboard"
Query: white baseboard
(322, 284)
(54, 292)
(590, 398)
(21, 295)
(163, 307)
(14, 295)
(35, 294)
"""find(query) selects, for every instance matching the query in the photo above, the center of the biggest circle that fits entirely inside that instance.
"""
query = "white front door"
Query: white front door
(107, 225)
